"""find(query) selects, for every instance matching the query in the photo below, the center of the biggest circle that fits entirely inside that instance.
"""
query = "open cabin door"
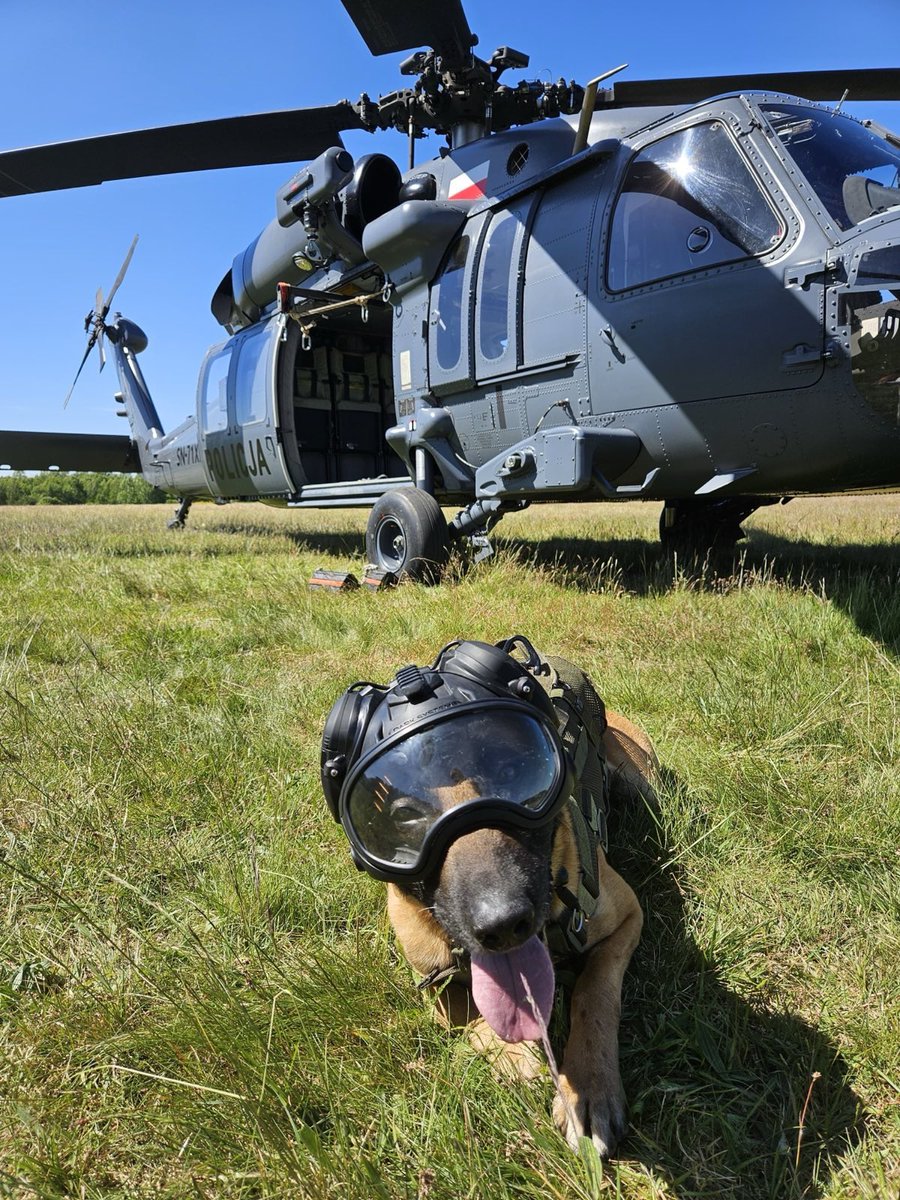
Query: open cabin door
(237, 416)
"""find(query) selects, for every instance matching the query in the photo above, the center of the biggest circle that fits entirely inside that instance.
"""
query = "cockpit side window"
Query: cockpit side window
(494, 293)
(688, 202)
(852, 170)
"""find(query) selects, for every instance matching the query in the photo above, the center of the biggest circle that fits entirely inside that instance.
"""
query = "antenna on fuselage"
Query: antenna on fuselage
(587, 108)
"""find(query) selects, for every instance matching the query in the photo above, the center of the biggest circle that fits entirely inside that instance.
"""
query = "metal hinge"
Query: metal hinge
(801, 356)
(801, 274)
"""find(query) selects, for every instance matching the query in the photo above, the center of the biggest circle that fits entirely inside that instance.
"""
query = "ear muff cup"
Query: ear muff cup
(344, 728)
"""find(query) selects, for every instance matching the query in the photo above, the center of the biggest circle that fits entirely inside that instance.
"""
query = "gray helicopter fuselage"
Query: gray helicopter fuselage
(733, 370)
(675, 311)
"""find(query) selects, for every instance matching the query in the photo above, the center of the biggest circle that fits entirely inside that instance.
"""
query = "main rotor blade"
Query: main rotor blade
(67, 451)
(292, 135)
(388, 26)
(876, 83)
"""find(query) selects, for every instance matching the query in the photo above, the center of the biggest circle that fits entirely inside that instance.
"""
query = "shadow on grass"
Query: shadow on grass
(344, 545)
(350, 545)
(862, 580)
(718, 1087)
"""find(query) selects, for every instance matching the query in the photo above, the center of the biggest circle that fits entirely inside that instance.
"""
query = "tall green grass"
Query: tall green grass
(199, 996)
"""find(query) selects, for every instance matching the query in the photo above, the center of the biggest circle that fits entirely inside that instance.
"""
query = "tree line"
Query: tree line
(77, 487)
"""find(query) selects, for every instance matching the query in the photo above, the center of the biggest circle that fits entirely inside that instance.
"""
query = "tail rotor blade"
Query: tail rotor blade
(87, 352)
(94, 321)
(121, 275)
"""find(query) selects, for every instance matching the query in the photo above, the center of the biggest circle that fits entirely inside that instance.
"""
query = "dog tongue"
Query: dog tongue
(500, 986)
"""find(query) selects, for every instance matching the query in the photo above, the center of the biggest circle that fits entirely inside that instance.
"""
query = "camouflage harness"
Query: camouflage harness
(582, 722)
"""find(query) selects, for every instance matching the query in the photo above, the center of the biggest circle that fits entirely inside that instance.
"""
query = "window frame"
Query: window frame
(258, 344)
(447, 380)
(504, 286)
(215, 356)
(781, 217)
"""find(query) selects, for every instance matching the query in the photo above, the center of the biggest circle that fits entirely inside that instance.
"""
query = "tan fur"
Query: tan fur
(631, 758)
(591, 1100)
(421, 938)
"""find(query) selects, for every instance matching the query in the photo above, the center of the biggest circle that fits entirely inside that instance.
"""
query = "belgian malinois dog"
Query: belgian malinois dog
(476, 925)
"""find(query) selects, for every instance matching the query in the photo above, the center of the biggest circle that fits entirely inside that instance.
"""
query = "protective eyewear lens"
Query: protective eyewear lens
(400, 794)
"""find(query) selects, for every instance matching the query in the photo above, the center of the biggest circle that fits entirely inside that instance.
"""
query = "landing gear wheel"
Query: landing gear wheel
(407, 534)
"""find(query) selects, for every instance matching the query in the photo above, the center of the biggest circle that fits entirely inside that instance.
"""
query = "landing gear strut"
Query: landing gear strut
(181, 512)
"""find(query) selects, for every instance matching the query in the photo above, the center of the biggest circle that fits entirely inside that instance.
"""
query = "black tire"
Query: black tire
(407, 534)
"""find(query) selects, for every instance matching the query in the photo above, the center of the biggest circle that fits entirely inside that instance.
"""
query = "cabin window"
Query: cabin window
(494, 292)
(448, 340)
(215, 391)
(688, 202)
(252, 376)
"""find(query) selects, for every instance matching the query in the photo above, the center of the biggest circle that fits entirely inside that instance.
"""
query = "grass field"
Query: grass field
(199, 995)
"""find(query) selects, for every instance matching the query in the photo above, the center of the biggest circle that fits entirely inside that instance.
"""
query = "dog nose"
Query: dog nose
(502, 924)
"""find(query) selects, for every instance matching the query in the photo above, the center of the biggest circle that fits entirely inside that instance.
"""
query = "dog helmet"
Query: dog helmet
(467, 743)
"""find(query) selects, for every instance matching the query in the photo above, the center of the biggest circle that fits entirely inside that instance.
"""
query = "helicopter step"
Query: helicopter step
(358, 493)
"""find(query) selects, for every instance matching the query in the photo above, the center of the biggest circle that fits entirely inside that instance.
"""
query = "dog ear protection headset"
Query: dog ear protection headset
(469, 742)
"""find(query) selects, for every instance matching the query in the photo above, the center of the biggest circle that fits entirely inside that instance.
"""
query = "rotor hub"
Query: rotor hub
(450, 94)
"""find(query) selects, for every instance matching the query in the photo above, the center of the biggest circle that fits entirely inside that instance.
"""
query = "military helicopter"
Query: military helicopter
(684, 290)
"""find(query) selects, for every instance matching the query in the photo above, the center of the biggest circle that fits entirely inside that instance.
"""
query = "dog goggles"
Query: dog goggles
(490, 764)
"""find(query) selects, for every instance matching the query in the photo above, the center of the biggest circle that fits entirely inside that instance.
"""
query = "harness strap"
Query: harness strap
(587, 813)
(456, 971)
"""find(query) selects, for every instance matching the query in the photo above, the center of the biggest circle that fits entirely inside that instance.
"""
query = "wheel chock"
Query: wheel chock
(377, 580)
(333, 581)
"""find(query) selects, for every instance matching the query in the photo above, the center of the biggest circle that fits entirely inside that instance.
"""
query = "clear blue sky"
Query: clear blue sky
(71, 70)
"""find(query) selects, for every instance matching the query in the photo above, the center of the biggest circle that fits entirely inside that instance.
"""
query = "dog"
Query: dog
(475, 924)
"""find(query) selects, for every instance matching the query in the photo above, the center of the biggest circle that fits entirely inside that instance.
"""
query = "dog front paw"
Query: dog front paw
(596, 1110)
(511, 1062)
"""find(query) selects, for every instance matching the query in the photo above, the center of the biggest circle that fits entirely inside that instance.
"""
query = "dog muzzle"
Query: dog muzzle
(492, 764)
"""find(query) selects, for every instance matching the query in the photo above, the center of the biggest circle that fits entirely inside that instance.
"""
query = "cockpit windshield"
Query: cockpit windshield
(853, 171)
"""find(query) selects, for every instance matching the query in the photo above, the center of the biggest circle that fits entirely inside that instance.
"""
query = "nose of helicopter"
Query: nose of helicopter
(872, 268)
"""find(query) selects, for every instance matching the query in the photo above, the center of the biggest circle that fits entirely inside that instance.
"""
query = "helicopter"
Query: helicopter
(683, 290)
